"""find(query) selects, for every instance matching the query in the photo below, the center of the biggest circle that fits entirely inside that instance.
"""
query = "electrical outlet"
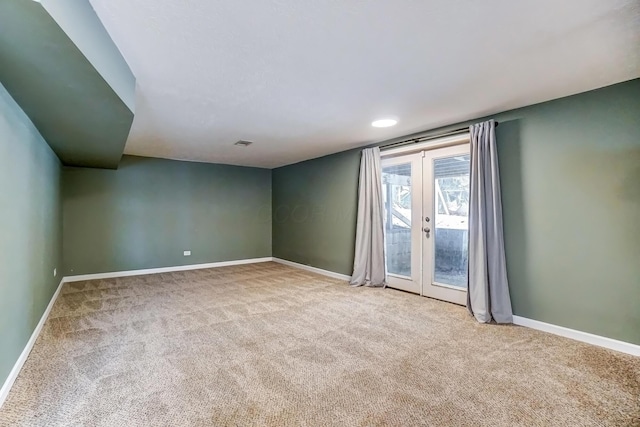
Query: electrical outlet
(187, 253)
(55, 272)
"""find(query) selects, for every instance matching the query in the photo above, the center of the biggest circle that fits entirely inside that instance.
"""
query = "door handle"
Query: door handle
(426, 230)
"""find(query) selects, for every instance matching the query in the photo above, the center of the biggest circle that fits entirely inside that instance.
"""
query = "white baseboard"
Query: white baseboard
(313, 269)
(621, 346)
(113, 274)
(6, 387)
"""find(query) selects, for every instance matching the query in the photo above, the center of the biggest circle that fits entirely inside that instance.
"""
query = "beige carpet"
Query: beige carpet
(266, 344)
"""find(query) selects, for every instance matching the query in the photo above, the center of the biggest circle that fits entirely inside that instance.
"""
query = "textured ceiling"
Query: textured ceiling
(305, 78)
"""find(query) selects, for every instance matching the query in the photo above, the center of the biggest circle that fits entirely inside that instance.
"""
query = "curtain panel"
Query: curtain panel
(369, 262)
(488, 289)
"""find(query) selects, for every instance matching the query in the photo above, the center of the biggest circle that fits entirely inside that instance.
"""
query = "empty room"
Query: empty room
(319, 213)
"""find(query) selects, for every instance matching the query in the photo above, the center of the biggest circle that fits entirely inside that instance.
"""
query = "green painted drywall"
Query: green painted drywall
(80, 22)
(80, 116)
(30, 229)
(148, 211)
(570, 172)
(314, 210)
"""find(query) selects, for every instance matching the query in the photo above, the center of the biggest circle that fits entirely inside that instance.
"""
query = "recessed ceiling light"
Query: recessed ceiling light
(384, 123)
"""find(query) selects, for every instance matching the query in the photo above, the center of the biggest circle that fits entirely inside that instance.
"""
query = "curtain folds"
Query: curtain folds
(369, 262)
(488, 290)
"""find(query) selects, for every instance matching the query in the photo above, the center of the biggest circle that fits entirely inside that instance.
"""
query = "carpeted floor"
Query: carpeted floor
(266, 344)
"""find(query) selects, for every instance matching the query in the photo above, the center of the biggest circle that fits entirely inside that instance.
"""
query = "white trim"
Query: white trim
(111, 275)
(6, 387)
(313, 269)
(445, 141)
(621, 346)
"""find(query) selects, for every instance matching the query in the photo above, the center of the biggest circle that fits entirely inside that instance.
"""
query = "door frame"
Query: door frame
(399, 155)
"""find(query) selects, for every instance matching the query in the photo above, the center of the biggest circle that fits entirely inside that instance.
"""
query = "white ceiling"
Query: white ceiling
(305, 78)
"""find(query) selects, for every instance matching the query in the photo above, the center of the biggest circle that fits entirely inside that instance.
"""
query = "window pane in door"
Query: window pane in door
(396, 190)
(451, 193)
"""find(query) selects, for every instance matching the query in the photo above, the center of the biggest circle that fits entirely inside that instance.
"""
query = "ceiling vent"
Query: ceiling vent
(243, 143)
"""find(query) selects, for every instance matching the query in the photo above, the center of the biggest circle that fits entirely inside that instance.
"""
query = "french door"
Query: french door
(426, 196)
(401, 190)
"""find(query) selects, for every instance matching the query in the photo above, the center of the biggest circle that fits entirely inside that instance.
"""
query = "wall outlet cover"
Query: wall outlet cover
(187, 253)
(55, 272)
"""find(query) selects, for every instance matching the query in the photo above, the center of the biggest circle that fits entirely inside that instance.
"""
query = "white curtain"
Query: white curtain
(369, 263)
(488, 291)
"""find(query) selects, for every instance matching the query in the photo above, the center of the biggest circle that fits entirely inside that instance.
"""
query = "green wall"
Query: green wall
(80, 22)
(30, 229)
(80, 116)
(148, 211)
(570, 171)
(314, 210)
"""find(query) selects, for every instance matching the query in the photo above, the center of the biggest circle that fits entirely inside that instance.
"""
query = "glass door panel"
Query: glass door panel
(451, 194)
(401, 190)
(396, 190)
(446, 225)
